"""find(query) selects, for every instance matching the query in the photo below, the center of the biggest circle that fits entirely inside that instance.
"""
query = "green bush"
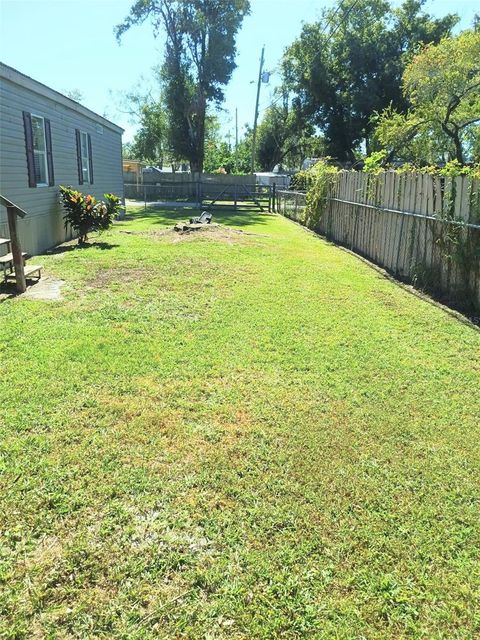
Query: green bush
(298, 181)
(318, 179)
(375, 164)
(85, 214)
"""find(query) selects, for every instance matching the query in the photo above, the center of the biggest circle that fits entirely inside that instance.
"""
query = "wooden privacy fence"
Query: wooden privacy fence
(422, 228)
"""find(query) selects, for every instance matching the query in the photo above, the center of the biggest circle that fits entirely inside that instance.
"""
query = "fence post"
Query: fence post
(145, 195)
(274, 197)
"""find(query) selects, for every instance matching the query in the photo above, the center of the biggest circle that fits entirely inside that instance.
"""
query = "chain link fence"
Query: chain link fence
(202, 193)
(291, 204)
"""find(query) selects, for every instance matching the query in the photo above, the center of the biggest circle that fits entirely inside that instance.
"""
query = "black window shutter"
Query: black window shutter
(27, 125)
(48, 140)
(79, 156)
(90, 158)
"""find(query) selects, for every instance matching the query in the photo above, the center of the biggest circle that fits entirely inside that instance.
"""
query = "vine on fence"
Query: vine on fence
(457, 243)
(317, 182)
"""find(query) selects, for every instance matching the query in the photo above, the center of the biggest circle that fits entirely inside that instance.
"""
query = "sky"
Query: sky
(70, 45)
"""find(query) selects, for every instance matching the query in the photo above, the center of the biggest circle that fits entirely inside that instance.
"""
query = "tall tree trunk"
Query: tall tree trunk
(202, 108)
(458, 149)
(454, 135)
(196, 125)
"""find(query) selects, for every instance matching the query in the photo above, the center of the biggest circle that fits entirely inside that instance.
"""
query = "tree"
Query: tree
(442, 84)
(218, 154)
(146, 109)
(218, 157)
(285, 137)
(349, 65)
(150, 140)
(127, 151)
(199, 60)
(244, 151)
(74, 94)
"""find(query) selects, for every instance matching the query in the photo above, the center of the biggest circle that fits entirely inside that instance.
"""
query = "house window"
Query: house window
(38, 147)
(85, 156)
(40, 151)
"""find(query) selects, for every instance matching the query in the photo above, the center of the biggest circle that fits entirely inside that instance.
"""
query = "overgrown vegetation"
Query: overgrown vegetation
(317, 182)
(84, 214)
(375, 164)
(442, 86)
(254, 439)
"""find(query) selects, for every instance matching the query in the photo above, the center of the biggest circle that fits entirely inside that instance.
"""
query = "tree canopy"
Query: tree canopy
(198, 62)
(442, 84)
(284, 137)
(149, 142)
(349, 65)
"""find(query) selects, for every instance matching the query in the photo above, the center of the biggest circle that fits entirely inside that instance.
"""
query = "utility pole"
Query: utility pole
(254, 140)
(236, 139)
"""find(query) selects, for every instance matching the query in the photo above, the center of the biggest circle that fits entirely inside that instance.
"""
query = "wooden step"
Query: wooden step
(4, 241)
(29, 270)
(9, 258)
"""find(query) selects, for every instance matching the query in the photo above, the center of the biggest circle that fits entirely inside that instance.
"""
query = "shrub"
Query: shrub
(319, 180)
(374, 163)
(298, 181)
(85, 214)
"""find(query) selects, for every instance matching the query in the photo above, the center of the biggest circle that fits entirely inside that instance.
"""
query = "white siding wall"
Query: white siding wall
(43, 227)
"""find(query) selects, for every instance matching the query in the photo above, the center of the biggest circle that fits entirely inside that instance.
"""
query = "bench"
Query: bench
(6, 263)
(29, 270)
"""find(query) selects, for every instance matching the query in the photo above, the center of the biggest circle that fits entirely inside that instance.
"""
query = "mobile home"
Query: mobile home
(47, 140)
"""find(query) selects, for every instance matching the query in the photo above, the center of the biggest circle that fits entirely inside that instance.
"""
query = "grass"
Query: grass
(243, 436)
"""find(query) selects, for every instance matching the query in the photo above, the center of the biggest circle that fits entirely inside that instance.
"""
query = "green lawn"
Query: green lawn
(236, 437)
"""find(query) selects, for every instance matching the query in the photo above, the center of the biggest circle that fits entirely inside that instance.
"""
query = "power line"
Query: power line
(349, 10)
(329, 21)
(273, 103)
(332, 33)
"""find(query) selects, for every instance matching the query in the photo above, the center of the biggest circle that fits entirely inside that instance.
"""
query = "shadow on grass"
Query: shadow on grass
(64, 248)
(8, 290)
(231, 217)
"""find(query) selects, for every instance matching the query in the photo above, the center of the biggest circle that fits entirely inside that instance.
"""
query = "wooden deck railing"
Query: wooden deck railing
(13, 211)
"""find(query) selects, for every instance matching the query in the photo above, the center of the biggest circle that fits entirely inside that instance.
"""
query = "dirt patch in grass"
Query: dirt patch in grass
(208, 231)
(104, 277)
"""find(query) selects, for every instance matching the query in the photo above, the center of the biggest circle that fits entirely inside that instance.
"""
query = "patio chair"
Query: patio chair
(205, 218)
